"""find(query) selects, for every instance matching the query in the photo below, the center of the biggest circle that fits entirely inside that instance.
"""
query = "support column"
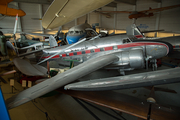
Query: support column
(115, 20)
(40, 16)
(157, 20)
(134, 20)
(100, 20)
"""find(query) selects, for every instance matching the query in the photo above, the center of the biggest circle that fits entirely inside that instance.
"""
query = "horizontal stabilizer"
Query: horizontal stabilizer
(28, 69)
(40, 34)
(129, 81)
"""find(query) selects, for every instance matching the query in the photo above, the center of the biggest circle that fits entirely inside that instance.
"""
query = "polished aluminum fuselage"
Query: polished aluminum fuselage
(130, 51)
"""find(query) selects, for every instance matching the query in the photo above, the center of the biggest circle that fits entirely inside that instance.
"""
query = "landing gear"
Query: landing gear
(153, 63)
(122, 72)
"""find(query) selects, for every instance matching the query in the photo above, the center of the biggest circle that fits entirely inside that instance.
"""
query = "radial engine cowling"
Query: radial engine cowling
(131, 59)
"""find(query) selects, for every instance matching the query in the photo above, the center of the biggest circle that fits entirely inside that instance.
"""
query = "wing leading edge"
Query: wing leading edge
(60, 80)
(129, 81)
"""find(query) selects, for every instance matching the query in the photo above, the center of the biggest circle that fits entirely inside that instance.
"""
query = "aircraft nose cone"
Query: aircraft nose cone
(169, 46)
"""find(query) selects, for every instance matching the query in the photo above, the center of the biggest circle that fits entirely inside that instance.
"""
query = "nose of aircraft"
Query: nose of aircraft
(72, 39)
(169, 46)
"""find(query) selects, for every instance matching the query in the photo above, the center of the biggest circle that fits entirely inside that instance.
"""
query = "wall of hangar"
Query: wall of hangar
(167, 19)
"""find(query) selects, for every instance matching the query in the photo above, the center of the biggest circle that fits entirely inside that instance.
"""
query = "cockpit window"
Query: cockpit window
(71, 32)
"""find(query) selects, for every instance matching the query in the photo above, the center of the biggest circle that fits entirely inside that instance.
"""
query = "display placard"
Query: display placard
(23, 83)
(11, 82)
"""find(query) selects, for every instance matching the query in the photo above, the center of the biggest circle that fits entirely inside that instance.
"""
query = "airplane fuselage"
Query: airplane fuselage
(131, 52)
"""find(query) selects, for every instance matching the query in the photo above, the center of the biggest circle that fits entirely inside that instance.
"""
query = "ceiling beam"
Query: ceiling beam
(131, 2)
(34, 1)
(158, 1)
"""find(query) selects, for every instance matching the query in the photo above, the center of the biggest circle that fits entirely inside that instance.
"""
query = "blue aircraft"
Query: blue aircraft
(80, 31)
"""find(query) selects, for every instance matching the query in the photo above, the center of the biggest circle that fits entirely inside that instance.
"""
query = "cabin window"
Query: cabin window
(76, 31)
(126, 41)
(71, 32)
(133, 38)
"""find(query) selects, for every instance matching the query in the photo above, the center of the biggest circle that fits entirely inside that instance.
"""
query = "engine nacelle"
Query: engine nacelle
(131, 59)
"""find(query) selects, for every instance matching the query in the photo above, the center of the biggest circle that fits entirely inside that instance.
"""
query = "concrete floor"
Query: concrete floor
(64, 107)
(58, 107)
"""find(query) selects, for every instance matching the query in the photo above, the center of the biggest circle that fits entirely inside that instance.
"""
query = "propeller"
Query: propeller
(60, 34)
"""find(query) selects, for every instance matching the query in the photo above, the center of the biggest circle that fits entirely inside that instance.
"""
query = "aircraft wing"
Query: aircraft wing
(60, 80)
(61, 12)
(28, 69)
(4, 2)
(40, 34)
(129, 81)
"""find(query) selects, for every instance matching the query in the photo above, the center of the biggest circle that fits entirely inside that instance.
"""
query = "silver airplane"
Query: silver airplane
(123, 52)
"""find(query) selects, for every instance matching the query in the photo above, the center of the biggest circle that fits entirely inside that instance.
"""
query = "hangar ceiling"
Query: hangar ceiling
(167, 20)
(131, 2)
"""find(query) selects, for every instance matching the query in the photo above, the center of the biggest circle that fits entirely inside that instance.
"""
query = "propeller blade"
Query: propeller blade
(15, 28)
(62, 51)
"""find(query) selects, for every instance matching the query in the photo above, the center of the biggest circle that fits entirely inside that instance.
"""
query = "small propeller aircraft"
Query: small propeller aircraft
(5, 10)
(144, 13)
(23, 42)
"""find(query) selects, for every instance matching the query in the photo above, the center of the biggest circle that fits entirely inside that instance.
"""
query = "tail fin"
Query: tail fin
(52, 41)
(134, 30)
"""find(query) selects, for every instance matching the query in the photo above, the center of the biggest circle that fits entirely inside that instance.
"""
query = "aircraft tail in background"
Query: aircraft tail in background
(52, 41)
(134, 30)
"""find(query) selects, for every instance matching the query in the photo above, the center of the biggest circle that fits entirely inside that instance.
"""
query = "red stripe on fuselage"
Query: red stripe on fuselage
(140, 44)
(71, 54)
(88, 51)
(63, 55)
(79, 53)
(57, 56)
(97, 50)
(108, 48)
